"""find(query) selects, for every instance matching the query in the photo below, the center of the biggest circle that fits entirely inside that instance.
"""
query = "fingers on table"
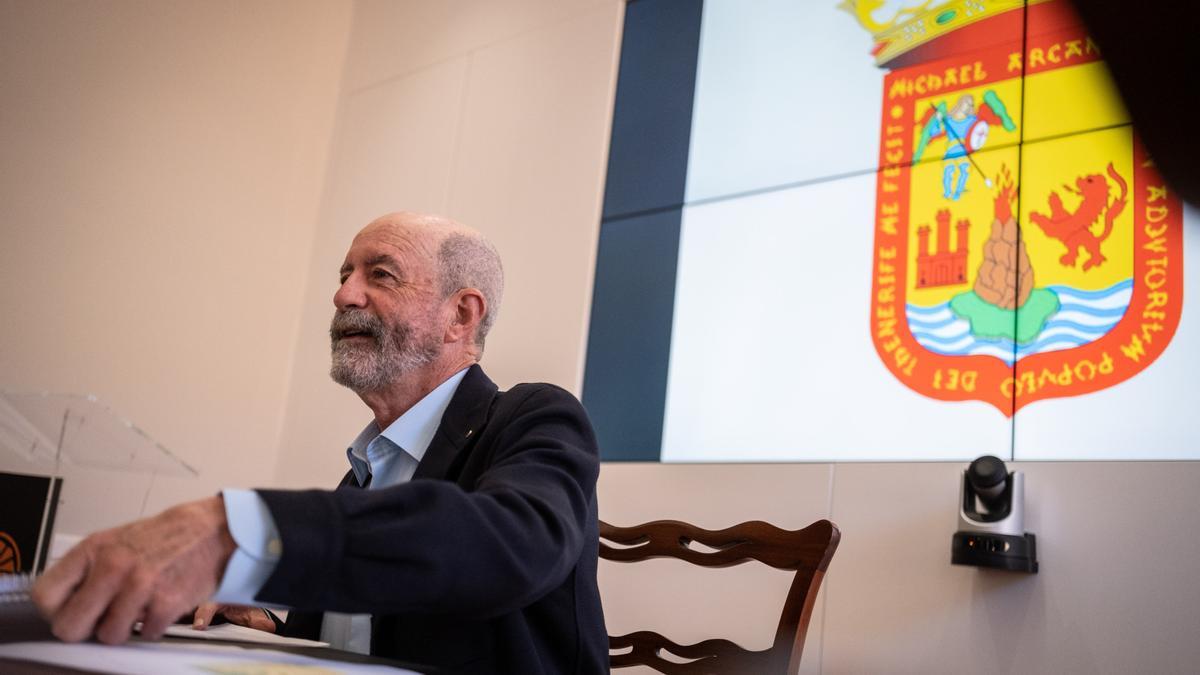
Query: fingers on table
(163, 609)
(204, 614)
(127, 606)
(56, 585)
(77, 618)
(251, 617)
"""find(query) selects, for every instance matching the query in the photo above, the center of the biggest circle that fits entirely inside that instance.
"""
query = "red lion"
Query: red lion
(1074, 229)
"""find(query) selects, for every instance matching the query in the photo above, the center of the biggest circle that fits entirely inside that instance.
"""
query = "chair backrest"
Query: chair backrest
(806, 551)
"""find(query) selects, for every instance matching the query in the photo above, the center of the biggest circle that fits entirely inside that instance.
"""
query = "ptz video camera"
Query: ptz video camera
(991, 519)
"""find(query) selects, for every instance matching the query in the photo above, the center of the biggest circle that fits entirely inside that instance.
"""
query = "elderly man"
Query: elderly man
(464, 535)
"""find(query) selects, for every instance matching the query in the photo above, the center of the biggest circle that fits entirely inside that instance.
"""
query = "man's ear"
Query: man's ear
(468, 307)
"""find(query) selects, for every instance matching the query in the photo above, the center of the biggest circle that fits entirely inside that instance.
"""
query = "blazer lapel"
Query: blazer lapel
(349, 480)
(461, 424)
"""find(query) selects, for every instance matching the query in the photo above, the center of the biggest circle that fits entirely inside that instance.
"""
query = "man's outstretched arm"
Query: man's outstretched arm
(152, 570)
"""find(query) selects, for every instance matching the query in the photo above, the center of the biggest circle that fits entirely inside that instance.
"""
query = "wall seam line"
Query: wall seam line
(459, 128)
(825, 604)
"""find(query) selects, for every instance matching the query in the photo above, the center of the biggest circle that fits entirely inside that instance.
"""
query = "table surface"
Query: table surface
(14, 665)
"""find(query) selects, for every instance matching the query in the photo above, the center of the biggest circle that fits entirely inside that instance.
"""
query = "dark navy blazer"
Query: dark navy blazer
(484, 562)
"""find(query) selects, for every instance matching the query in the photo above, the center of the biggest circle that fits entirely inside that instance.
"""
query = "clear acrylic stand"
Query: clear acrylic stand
(49, 429)
(97, 453)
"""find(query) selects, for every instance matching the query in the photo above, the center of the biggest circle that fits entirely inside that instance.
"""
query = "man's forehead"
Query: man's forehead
(397, 241)
(415, 237)
(398, 234)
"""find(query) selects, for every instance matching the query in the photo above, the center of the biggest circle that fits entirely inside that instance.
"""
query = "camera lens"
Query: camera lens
(987, 476)
(986, 472)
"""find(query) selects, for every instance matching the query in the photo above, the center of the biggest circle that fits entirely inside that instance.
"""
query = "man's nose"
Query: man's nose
(350, 295)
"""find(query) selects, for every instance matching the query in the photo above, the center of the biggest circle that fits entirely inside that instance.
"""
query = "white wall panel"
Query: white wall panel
(785, 92)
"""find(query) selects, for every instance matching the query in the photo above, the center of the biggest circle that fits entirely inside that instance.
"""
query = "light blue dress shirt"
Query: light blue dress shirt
(388, 458)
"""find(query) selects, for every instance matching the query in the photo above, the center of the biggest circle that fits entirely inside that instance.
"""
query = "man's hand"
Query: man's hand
(250, 617)
(151, 570)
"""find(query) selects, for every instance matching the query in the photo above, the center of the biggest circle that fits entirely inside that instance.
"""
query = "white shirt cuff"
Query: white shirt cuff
(258, 547)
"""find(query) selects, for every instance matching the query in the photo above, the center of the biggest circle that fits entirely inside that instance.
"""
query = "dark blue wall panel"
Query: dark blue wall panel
(652, 117)
(629, 341)
(625, 385)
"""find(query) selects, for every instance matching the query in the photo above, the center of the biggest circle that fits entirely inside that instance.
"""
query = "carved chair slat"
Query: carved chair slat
(807, 552)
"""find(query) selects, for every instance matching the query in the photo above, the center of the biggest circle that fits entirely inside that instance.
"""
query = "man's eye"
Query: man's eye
(382, 274)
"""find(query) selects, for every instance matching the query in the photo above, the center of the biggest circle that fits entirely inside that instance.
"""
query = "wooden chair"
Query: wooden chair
(806, 551)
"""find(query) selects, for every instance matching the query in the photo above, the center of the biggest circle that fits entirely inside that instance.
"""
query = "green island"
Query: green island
(990, 321)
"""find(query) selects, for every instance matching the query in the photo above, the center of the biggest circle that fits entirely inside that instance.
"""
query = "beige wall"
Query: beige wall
(161, 169)
(497, 114)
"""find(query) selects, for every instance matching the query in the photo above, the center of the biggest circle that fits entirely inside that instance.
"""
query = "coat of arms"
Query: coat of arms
(1025, 245)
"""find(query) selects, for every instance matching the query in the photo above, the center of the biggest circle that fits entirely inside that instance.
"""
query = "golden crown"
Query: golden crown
(899, 26)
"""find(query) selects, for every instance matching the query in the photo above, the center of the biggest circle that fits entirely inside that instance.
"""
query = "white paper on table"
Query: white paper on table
(198, 658)
(236, 633)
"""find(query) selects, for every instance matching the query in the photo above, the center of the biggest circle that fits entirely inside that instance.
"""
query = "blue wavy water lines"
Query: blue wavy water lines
(1117, 312)
(935, 324)
(1066, 292)
(1083, 317)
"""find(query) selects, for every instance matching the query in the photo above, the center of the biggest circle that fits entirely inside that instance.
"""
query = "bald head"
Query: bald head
(462, 257)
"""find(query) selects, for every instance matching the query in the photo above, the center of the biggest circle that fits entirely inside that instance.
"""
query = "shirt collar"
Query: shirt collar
(412, 432)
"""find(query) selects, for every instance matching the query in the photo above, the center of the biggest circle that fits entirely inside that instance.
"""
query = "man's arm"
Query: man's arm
(424, 545)
(152, 570)
(430, 545)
